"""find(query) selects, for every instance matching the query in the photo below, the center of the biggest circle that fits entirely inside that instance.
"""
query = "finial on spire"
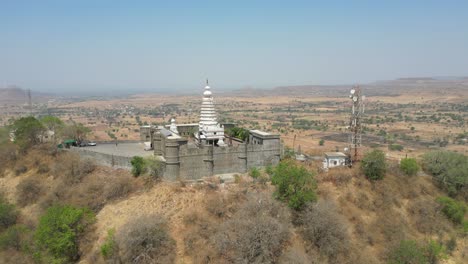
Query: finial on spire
(207, 82)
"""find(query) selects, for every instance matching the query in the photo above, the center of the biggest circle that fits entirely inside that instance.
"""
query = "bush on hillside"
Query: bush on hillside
(409, 251)
(373, 165)
(254, 173)
(28, 191)
(15, 237)
(426, 215)
(72, 169)
(449, 169)
(453, 209)
(8, 214)
(145, 240)
(409, 166)
(138, 165)
(109, 248)
(256, 233)
(59, 230)
(20, 169)
(153, 167)
(325, 228)
(395, 147)
(294, 184)
(43, 168)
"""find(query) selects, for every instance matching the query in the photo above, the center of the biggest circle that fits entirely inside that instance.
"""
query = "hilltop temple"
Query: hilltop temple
(193, 151)
(209, 131)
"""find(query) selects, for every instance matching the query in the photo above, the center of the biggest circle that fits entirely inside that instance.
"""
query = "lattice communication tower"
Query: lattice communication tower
(355, 124)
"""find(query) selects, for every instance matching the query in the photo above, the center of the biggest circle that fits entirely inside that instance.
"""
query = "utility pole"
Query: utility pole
(29, 102)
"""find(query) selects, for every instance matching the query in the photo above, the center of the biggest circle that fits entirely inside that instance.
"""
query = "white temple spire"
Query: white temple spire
(210, 131)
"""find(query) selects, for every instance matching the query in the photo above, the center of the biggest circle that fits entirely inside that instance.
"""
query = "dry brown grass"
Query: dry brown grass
(29, 191)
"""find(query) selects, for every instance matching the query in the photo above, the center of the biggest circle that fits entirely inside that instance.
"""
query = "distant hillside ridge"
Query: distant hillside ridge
(13, 94)
(378, 88)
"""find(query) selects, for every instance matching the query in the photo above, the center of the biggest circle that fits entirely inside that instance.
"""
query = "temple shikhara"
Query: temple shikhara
(209, 131)
(193, 151)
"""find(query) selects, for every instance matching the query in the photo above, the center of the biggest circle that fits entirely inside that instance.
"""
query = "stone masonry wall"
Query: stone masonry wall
(196, 163)
(110, 160)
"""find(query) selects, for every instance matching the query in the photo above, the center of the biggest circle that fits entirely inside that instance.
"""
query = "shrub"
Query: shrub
(20, 169)
(269, 170)
(28, 191)
(58, 231)
(325, 228)
(407, 251)
(43, 168)
(138, 164)
(118, 188)
(449, 169)
(434, 251)
(453, 209)
(294, 184)
(8, 214)
(255, 234)
(14, 238)
(409, 166)
(427, 217)
(373, 165)
(395, 147)
(86, 166)
(153, 167)
(109, 248)
(72, 169)
(145, 240)
(321, 142)
(254, 173)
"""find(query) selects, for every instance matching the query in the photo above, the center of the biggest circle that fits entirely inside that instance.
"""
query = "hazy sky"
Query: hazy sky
(174, 45)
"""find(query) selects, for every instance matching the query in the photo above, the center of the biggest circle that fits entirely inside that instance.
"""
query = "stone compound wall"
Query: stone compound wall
(190, 163)
(187, 162)
(110, 160)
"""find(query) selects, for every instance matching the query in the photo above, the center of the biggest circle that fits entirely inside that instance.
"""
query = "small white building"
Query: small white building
(334, 159)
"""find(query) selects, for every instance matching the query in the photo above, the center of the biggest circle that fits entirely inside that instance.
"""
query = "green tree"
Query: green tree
(373, 165)
(27, 131)
(238, 132)
(56, 237)
(138, 165)
(409, 166)
(321, 142)
(449, 169)
(76, 131)
(295, 184)
(53, 124)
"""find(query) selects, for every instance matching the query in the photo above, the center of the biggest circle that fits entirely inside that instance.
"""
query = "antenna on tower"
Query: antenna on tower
(29, 102)
(355, 127)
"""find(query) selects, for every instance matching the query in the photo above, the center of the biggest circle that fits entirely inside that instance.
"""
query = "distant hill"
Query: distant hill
(379, 88)
(15, 95)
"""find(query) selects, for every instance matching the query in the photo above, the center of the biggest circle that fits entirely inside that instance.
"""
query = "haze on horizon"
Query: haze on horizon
(106, 46)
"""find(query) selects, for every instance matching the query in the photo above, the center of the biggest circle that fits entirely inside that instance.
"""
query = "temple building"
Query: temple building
(193, 151)
(210, 132)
